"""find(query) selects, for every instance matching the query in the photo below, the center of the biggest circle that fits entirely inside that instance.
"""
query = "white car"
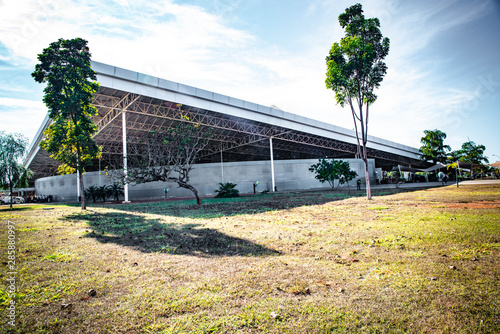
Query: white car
(16, 200)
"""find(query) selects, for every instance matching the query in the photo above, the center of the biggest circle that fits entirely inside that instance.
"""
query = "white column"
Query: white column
(100, 184)
(272, 161)
(77, 184)
(124, 127)
(222, 166)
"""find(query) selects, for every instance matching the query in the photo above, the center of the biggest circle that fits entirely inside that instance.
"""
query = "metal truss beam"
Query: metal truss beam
(231, 134)
(114, 111)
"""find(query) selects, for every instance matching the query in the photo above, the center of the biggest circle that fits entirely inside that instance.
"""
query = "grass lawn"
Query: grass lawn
(425, 261)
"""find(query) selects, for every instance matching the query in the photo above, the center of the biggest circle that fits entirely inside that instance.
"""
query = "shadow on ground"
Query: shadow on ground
(214, 208)
(16, 208)
(151, 235)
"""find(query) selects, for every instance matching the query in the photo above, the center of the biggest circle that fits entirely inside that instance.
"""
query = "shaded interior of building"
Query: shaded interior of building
(232, 138)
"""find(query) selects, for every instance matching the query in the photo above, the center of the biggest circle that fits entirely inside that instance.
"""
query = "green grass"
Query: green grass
(415, 262)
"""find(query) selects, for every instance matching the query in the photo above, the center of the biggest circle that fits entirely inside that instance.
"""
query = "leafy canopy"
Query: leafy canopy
(355, 67)
(433, 148)
(331, 170)
(471, 152)
(65, 68)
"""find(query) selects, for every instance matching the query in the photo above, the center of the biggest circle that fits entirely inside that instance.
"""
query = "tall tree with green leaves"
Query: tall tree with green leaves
(12, 171)
(355, 68)
(65, 67)
(433, 148)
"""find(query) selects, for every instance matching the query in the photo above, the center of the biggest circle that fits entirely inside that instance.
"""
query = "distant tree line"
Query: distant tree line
(434, 151)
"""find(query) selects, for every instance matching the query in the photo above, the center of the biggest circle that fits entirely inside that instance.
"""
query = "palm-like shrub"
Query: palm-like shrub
(102, 192)
(227, 190)
(92, 192)
(115, 190)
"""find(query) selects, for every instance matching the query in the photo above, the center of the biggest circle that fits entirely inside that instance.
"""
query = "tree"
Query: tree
(12, 171)
(168, 155)
(355, 68)
(329, 171)
(65, 68)
(471, 153)
(433, 148)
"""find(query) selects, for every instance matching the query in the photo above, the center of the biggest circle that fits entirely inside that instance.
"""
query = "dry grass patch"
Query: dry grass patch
(295, 263)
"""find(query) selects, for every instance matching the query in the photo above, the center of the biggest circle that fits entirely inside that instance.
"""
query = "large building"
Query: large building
(250, 142)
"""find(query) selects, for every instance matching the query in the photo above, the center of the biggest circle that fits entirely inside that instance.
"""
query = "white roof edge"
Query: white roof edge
(114, 72)
(35, 143)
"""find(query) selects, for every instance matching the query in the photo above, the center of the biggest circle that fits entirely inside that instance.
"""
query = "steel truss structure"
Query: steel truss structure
(234, 138)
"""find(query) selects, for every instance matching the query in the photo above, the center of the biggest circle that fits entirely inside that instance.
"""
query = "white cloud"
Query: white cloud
(21, 117)
(10, 102)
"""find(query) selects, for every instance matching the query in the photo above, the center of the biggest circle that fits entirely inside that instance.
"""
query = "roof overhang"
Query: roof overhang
(241, 129)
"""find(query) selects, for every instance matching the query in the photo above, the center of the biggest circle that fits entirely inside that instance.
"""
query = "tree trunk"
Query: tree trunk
(367, 176)
(193, 190)
(80, 173)
(362, 147)
(10, 188)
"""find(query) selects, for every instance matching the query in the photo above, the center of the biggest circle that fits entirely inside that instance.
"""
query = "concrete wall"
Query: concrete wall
(289, 175)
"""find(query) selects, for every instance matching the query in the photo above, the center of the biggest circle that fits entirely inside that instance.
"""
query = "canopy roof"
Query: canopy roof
(439, 166)
(242, 129)
(468, 165)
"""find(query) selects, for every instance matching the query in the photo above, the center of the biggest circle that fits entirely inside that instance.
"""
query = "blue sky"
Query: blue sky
(444, 62)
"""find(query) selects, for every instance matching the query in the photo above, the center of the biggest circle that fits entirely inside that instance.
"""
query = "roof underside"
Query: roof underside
(238, 138)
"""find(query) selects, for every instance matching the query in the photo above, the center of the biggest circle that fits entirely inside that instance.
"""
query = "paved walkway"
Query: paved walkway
(409, 185)
(433, 184)
(473, 182)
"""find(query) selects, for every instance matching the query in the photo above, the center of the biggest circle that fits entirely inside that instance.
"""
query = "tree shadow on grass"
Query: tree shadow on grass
(151, 235)
(17, 208)
(214, 208)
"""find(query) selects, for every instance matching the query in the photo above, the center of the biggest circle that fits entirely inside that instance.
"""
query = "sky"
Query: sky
(443, 64)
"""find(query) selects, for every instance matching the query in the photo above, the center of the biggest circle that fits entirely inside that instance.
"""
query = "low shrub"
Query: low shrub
(227, 190)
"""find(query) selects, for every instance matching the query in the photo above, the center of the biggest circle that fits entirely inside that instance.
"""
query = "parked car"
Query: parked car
(15, 199)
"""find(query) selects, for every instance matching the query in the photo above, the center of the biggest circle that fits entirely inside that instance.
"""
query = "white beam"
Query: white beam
(78, 185)
(222, 166)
